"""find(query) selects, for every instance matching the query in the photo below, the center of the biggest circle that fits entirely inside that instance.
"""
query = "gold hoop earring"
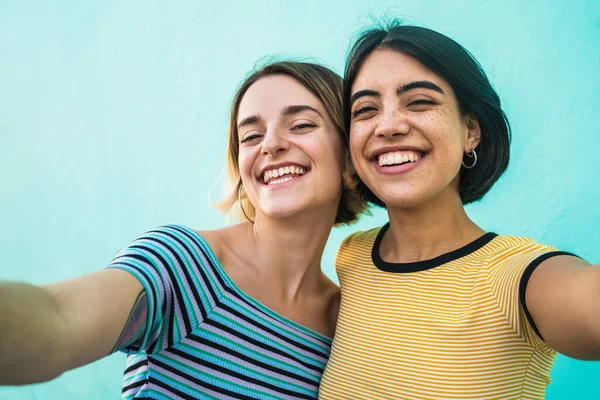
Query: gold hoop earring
(242, 205)
(472, 154)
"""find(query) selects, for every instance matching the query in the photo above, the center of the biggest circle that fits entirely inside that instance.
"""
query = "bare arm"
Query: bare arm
(47, 330)
(563, 297)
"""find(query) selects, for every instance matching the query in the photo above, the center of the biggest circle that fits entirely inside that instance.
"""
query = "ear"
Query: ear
(473, 133)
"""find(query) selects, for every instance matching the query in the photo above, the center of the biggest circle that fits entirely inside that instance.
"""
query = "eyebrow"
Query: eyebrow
(401, 90)
(419, 85)
(363, 93)
(286, 111)
(291, 110)
(253, 119)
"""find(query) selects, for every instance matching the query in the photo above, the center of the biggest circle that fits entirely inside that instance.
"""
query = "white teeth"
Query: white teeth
(280, 180)
(270, 175)
(398, 157)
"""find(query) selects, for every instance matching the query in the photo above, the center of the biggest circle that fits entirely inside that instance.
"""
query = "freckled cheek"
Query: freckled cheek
(357, 158)
(358, 140)
(442, 132)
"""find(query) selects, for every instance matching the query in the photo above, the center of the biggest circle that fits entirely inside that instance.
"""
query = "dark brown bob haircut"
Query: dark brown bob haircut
(473, 90)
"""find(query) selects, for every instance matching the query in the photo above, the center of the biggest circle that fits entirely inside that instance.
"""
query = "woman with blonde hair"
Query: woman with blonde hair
(242, 312)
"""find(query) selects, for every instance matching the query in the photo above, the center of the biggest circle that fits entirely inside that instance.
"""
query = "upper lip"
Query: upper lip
(280, 165)
(391, 149)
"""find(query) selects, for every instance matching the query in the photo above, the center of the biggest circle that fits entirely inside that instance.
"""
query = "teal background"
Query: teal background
(113, 120)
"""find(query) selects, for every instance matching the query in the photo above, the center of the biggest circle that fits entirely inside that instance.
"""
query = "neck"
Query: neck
(288, 251)
(429, 230)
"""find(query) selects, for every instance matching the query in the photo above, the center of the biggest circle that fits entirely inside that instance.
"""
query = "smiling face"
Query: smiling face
(407, 135)
(290, 155)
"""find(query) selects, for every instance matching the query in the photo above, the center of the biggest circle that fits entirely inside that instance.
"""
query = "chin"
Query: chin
(293, 210)
(282, 212)
(403, 198)
(402, 202)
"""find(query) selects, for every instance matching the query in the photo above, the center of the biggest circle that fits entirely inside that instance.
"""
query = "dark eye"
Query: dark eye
(249, 138)
(362, 110)
(303, 125)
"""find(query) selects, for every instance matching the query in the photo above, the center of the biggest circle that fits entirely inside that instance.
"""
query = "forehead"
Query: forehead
(387, 67)
(269, 95)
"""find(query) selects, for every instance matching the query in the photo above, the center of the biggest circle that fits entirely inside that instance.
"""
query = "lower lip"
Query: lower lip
(397, 169)
(284, 184)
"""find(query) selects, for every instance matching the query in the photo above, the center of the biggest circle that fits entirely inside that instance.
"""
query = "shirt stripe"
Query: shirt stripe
(451, 330)
(207, 339)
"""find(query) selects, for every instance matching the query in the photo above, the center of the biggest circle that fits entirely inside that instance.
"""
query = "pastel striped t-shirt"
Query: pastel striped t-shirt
(205, 338)
(453, 327)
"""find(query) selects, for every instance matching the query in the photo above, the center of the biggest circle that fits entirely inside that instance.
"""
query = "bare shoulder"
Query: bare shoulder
(223, 239)
(214, 240)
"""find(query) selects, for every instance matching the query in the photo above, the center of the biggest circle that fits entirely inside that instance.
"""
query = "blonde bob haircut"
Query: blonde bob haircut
(326, 85)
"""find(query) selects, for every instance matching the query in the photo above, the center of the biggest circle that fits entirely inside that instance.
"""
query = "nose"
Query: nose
(274, 143)
(392, 123)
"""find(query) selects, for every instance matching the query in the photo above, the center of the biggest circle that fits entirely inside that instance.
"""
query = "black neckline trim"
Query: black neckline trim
(425, 264)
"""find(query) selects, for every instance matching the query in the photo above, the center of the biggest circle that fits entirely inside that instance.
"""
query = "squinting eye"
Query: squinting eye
(303, 126)
(250, 138)
(421, 102)
(362, 110)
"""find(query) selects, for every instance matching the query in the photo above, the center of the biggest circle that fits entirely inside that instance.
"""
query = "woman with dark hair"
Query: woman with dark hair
(432, 305)
(242, 312)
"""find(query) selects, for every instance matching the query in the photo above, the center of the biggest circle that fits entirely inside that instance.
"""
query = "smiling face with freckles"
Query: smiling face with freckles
(407, 135)
(290, 155)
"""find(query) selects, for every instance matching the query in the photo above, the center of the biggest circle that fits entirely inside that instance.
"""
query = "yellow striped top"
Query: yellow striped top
(450, 327)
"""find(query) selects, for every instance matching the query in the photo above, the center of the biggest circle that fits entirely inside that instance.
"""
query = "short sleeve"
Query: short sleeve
(508, 273)
(346, 254)
(173, 265)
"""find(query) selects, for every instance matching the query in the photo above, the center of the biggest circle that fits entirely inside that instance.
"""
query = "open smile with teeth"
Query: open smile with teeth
(282, 174)
(398, 157)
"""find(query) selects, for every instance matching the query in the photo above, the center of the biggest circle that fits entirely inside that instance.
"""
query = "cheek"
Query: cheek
(449, 161)
(333, 155)
(245, 164)
(444, 130)
(358, 139)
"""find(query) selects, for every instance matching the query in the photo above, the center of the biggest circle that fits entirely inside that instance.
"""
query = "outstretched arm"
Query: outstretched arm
(47, 330)
(563, 298)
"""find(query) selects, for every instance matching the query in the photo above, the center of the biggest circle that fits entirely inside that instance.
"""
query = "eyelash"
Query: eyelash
(294, 128)
(362, 111)
(414, 103)
(303, 126)
(421, 102)
(249, 137)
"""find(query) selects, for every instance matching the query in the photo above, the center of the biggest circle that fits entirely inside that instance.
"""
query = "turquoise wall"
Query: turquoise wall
(113, 119)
